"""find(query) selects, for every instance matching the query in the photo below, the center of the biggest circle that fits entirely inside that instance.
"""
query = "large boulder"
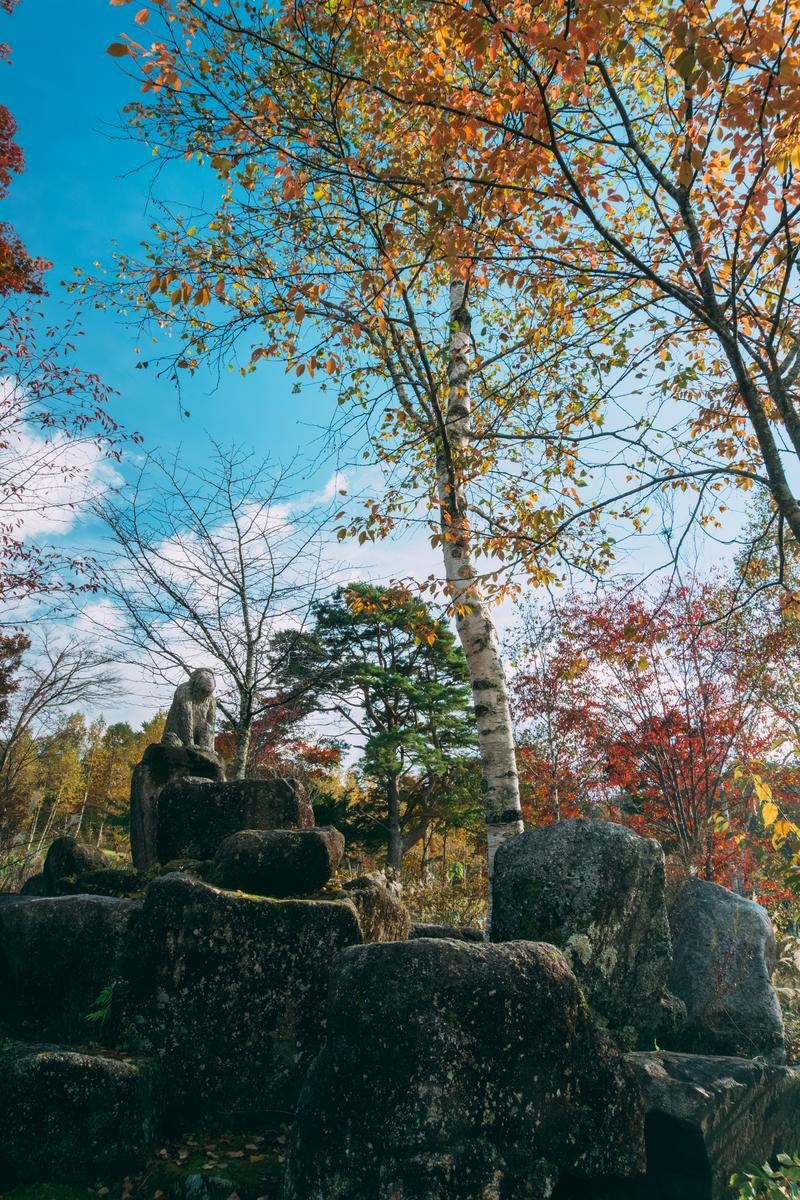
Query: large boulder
(724, 955)
(453, 1071)
(73, 1118)
(195, 816)
(595, 890)
(278, 862)
(228, 992)
(66, 859)
(56, 956)
(162, 764)
(381, 913)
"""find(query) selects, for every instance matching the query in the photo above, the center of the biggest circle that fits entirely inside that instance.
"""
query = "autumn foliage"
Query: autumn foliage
(662, 708)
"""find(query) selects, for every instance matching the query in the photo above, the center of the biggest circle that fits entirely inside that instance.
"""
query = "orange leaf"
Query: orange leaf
(117, 50)
(142, 16)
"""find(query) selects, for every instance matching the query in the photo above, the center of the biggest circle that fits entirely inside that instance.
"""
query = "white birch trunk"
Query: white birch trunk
(473, 622)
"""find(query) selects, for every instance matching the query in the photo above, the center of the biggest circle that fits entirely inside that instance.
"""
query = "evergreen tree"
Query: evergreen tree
(379, 659)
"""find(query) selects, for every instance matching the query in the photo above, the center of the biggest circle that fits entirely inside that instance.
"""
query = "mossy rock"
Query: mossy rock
(228, 991)
(73, 1117)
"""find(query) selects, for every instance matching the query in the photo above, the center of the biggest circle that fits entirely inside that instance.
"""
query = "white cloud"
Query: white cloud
(46, 478)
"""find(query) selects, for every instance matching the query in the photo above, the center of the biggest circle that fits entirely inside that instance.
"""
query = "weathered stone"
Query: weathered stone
(73, 1118)
(160, 765)
(194, 817)
(278, 862)
(466, 933)
(66, 859)
(110, 881)
(56, 956)
(595, 890)
(454, 1071)
(724, 955)
(228, 992)
(192, 717)
(708, 1117)
(381, 913)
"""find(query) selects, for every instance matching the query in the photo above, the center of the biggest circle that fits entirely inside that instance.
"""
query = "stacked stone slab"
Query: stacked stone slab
(227, 992)
(67, 1114)
(707, 1117)
(161, 765)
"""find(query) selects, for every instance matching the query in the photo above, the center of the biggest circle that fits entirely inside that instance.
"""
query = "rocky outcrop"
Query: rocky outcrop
(227, 992)
(67, 859)
(381, 913)
(710, 1116)
(724, 955)
(454, 1071)
(56, 956)
(195, 817)
(73, 1118)
(162, 764)
(110, 881)
(595, 890)
(278, 862)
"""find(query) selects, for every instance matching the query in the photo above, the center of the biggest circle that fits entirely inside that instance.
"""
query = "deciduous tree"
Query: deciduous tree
(207, 565)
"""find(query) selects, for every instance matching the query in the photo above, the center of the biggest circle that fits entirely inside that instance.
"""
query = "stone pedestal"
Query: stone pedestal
(196, 816)
(161, 765)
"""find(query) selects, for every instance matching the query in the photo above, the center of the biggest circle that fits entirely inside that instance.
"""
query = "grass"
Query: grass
(252, 1165)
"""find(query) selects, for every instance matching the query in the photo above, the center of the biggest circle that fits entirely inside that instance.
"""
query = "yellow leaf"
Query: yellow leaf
(763, 790)
(769, 814)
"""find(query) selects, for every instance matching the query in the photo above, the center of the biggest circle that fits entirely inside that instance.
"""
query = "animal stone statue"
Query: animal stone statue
(193, 713)
(186, 750)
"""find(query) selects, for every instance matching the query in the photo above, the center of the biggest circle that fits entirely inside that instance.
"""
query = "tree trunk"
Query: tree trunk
(244, 729)
(425, 864)
(474, 625)
(394, 858)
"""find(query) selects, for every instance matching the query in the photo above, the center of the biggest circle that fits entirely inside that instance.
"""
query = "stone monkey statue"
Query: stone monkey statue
(192, 716)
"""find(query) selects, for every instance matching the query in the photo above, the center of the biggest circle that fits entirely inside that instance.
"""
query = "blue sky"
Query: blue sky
(84, 187)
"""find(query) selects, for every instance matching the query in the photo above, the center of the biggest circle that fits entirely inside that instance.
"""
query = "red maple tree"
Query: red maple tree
(660, 703)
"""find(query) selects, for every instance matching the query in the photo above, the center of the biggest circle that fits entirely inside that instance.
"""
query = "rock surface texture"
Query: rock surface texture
(460, 1072)
(596, 891)
(73, 1118)
(708, 1117)
(381, 913)
(278, 862)
(195, 817)
(56, 956)
(161, 765)
(227, 993)
(724, 954)
(65, 861)
(466, 933)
